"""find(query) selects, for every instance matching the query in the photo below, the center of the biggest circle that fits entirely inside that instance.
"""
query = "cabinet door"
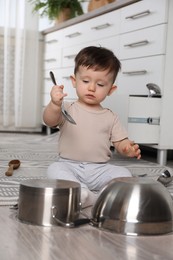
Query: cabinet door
(119, 104)
(53, 59)
(53, 50)
(145, 42)
(70, 53)
(104, 26)
(111, 43)
(144, 119)
(143, 14)
(75, 34)
(97, 28)
(136, 73)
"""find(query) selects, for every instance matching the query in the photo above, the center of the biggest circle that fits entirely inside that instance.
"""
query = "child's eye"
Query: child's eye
(100, 85)
(85, 81)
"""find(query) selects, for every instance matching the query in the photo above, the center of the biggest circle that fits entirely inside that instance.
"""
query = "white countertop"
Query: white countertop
(104, 9)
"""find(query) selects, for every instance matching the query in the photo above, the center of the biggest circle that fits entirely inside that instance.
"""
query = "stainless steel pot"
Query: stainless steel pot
(48, 202)
(136, 206)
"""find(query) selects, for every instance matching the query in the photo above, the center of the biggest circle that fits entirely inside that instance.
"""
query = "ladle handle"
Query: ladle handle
(9, 172)
(75, 223)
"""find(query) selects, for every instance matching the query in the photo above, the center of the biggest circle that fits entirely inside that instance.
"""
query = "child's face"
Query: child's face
(92, 86)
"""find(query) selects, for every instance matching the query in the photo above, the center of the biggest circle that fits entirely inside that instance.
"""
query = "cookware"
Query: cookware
(165, 178)
(64, 112)
(154, 90)
(134, 206)
(46, 201)
(13, 165)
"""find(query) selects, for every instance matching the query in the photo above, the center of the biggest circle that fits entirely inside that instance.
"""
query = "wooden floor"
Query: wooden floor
(20, 241)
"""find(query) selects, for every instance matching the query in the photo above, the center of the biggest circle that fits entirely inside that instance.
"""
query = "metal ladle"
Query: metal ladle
(154, 90)
(13, 165)
(165, 178)
(64, 112)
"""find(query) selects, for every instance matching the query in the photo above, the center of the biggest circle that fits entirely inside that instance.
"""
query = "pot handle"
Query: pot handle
(16, 206)
(75, 223)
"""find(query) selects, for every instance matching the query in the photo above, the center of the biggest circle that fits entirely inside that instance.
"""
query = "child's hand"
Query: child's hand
(57, 95)
(132, 150)
(128, 148)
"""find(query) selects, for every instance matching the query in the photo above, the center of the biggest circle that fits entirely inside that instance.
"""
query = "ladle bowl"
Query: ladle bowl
(13, 165)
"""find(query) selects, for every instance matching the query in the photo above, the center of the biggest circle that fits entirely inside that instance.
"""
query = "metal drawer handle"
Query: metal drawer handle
(50, 60)
(135, 72)
(102, 26)
(66, 77)
(134, 44)
(51, 41)
(138, 15)
(73, 35)
(70, 56)
(148, 120)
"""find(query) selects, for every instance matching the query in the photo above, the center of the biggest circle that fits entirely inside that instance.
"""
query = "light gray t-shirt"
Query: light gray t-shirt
(90, 139)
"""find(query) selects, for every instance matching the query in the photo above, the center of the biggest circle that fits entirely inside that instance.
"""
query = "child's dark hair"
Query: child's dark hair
(98, 58)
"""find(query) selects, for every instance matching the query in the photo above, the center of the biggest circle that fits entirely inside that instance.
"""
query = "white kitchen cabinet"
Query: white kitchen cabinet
(93, 29)
(141, 36)
(145, 54)
(144, 113)
(144, 14)
(136, 73)
(52, 54)
(70, 53)
(142, 43)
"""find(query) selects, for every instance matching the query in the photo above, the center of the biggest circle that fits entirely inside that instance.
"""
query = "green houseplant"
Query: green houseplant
(53, 8)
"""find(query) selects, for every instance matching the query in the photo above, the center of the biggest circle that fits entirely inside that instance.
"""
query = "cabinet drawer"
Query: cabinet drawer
(111, 43)
(70, 53)
(144, 119)
(53, 51)
(136, 73)
(53, 41)
(143, 14)
(105, 25)
(75, 34)
(53, 59)
(145, 42)
(100, 27)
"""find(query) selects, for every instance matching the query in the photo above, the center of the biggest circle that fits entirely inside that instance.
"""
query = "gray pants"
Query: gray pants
(91, 176)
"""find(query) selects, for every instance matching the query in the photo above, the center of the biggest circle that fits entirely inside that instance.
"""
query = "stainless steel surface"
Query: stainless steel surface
(37, 197)
(165, 178)
(134, 206)
(162, 156)
(64, 112)
(144, 120)
(75, 223)
(154, 90)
